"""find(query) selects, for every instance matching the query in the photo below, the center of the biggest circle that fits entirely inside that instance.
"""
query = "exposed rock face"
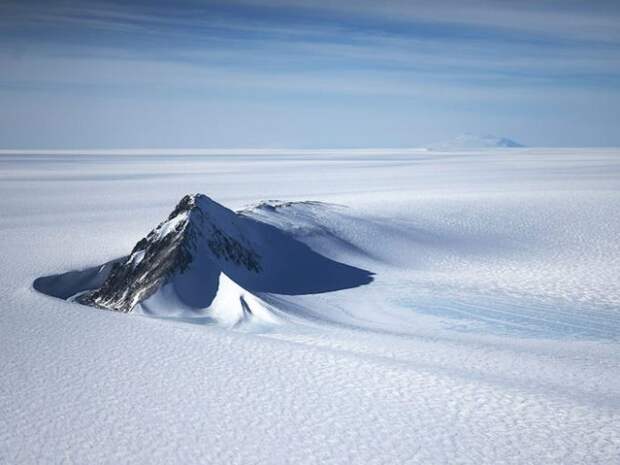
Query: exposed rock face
(275, 205)
(197, 225)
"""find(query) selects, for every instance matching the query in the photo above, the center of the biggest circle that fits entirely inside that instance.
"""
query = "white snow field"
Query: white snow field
(489, 334)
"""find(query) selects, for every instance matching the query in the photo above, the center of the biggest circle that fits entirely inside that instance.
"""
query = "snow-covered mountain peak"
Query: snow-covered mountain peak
(198, 234)
(468, 141)
(206, 262)
(200, 202)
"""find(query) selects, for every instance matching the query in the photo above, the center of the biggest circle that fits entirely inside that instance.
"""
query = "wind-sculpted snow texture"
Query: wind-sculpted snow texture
(488, 331)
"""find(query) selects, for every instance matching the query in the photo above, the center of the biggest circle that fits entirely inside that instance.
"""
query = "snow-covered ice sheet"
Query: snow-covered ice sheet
(490, 334)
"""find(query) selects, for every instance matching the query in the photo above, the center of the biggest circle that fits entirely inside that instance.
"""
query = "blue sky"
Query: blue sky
(278, 73)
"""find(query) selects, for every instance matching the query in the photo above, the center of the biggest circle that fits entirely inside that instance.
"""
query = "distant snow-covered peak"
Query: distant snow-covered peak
(469, 141)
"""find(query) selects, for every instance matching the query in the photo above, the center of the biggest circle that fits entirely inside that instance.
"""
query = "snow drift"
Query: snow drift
(208, 263)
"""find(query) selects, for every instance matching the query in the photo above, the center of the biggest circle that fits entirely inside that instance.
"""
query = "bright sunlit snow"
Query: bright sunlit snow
(412, 306)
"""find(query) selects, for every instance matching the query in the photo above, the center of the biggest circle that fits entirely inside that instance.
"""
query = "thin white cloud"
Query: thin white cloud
(565, 19)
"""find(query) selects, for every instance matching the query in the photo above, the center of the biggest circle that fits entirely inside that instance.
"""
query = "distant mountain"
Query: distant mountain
(472, 141)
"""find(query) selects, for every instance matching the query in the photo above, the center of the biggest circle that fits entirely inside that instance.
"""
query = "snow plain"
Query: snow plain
(490, 333)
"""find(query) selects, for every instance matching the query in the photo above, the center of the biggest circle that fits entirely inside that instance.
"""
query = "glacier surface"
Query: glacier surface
(490, 332)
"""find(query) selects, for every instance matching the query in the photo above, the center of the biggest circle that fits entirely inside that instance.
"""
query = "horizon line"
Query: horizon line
(274, 150)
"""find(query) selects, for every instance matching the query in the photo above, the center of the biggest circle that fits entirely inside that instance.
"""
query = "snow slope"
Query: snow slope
(489, 334)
